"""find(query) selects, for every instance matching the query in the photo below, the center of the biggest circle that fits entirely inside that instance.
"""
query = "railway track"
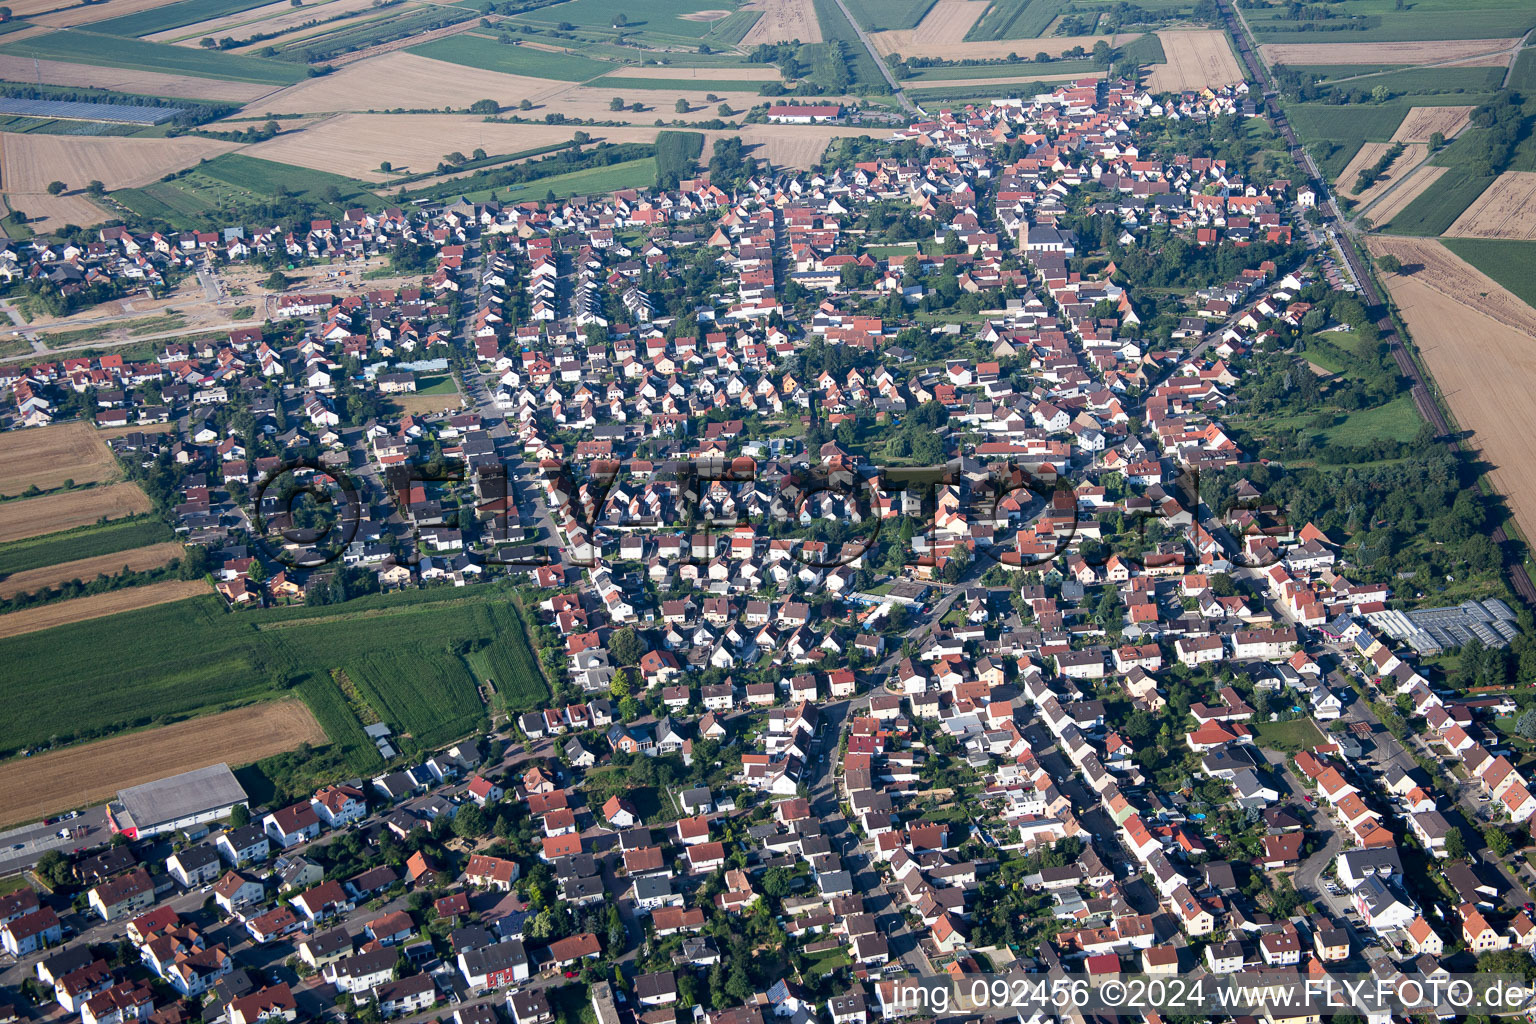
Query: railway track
(1423, 397)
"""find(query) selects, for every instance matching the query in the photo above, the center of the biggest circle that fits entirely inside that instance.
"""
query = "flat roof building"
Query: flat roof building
(165, 805)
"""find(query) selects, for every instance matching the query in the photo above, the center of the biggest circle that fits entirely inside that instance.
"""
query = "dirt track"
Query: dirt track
(50, 513)
(1485, 366)
(46, 457)
(86, 569)
(36, 787)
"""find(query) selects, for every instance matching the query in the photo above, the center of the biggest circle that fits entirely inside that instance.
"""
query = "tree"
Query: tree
(5, 14)
(239, 816)
(276, 281)
(525, 104)
(478, 154)
(626, 646)
(619, 21)
(485, 107)
(55, 187)
(385, 166)
(208, 42)
(1436, 141)
(1498, 841)
(724, 110)
(454, 158)
(1389, 264)
(95, 189)
(53, 868)
(1455, 844)
(470, 822)
(1381, 94)
(681, 106)
(617, 103)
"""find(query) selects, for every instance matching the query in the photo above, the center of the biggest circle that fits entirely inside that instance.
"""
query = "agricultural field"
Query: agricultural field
(1196, 59)
(1363, 22)
(170, 16)
(81, 47)
(913, 44)
(29, 162)
(96, 606)
(488, 54)
(86, 542)
(1422, 122)
(50, 782)
(1428, 51)
(192, 656)
(1506, 209)
(87, 569)
(47, 457)
(269, 19)
(65, 510)
(149, 83)
(193, 199)
(423, 695)
(783, 21)
(679, 20)
(1015, 19)
(1511, 264)
(877, 15)
(405, 81)
(46, 213)
(1475, 337)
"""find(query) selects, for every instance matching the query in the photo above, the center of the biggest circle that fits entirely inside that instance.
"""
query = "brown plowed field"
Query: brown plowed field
(1485, 365)
(87, 774)
(62, 613)
(1196, 59)
(782, 21)
(1506, 209)
(87, 569)
(1428, 51)
(50, 513)
(47, 457)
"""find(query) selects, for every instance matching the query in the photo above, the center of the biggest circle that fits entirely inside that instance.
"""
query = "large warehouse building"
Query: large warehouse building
(191, 798)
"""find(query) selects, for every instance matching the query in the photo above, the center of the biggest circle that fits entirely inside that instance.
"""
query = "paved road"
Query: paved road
(869, 44)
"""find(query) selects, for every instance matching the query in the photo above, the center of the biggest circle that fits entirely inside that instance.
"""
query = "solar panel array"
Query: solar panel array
(125, 113)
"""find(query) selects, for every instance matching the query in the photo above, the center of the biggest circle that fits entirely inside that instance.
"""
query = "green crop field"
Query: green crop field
(689, 88)
(729, 31)
(981, 94)
(80, 47)
(836, 28)
(1146, 49)
(160, 19)
(336, 717)
(193, 198)
(677, 155)
(879, 15)
(1334, 133)
(1015, 19)
(1465, 85)
(1042, 72)
(1511, 263)
(657, 17)
(190, 657)
(422, 693)
(589, 182)
(1379, 21)
(86, 542)
(481, 52)
(1522, 78)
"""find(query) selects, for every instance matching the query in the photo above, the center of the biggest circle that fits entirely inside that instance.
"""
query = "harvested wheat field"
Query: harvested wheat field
(705, 76)
(1485, 365)
(405, 80)
(153, 83)
(62, 613)
(583, 101)
(1422, 122)
(87, 569)
(92, 772)
(1398, 199)
(1428, 51)
(1196, 59)
(790, 145)
(354, 144)
(907, 43)
(50, 213)
(48, 456)
(1006, 87)
(33, 517)
(1413, 154)
(30, 162)
(948, 21)
(1506, 209)
(782, 22)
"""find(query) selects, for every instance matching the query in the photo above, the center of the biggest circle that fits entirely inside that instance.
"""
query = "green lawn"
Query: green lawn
(436, 386)
(81, 47)
(1287, 737)
(1511, 263)
(193, 199)
(191, 657)
(480, 52)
